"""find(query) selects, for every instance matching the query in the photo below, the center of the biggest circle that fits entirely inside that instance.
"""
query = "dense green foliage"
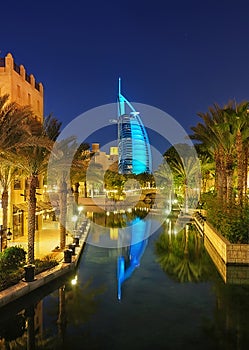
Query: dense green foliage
(232, 223)
(44, 264)
(12, 261)
(12, 258)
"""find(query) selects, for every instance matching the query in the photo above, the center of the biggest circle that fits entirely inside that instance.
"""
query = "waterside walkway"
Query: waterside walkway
(45, 247)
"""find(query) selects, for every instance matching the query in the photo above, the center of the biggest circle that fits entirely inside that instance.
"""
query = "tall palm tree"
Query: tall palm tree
(33, 161)
(207, 168)
(8, 171)
(185, 170)
(14, 134)
(80, 164)
(95, 177)
(216, 136)
(164, 181)
(238, 114)
(14, 130)
(60, 161)
(222, 129)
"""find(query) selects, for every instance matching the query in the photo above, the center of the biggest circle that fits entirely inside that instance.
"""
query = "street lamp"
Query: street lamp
(74, 220)
(2, 236)
(80, 208)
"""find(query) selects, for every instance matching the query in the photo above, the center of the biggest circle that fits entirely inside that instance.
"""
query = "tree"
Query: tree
(60, 163)
(164, 181)
(207, 168)
(14, 134)
(215, 135)
(95, 177)
(7, 174)
(33, 160)
(221, 130)
(114, 182)
(185, 170)
(238, 114)
(80, 164)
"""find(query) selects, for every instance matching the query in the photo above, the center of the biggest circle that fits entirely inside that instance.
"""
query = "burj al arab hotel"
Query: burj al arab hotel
(133, 142)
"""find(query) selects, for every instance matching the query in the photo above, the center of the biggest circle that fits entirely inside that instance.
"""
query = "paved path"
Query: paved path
(50, 237)
(46, 240)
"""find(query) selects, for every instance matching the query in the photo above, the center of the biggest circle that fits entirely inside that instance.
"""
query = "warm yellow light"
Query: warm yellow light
(74, 280)
(80, 208)
(74, 218)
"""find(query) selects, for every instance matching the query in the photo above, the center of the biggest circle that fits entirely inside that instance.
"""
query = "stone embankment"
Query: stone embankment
(231, 260)
(230, 253)
(23, 287)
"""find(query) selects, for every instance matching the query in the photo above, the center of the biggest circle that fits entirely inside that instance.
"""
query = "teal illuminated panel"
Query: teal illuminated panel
(133, 143)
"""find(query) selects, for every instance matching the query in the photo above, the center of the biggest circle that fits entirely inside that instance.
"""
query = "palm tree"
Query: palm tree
(216, 136)
(207, 170)
(14, 130)
(60, 161)
(164, 181)
(224, 128)
(33, 161)
(80, 164)
(95, 176)
(238, 114)
(14, 134)
(185, 169)
(8, 171)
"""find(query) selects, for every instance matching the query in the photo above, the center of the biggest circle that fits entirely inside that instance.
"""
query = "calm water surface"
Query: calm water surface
(174, 299)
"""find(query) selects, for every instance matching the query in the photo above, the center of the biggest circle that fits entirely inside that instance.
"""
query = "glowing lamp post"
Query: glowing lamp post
(74, 220)
(2, 236)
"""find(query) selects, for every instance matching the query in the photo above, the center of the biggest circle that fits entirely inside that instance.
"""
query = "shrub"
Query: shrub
(9, 278)
(12, 258)
(44, 264)
(232, 223)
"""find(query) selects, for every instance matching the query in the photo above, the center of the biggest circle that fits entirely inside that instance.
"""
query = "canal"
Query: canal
(165, 293)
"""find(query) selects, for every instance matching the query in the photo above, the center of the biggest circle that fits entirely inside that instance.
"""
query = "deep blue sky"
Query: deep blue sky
(179, 56)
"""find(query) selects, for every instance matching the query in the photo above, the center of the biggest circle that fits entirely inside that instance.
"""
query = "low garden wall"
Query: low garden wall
(232, 274)
(230, 253)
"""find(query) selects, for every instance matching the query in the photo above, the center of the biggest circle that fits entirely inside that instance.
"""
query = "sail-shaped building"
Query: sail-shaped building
(133, 142)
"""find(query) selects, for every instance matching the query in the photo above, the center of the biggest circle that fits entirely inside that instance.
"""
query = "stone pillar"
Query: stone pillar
(22, 71)
(32, 80)
(9, 62)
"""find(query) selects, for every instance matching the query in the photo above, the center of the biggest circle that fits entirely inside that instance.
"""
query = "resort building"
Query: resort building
(102, 158)
(133, 143)
(20, 86)
(23, 89)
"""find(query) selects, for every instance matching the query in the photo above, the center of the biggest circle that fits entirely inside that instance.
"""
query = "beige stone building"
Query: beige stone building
(24, 90)
(20, 86)
(102, 158)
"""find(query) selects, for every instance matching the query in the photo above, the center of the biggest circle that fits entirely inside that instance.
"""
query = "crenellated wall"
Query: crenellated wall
(21, 87)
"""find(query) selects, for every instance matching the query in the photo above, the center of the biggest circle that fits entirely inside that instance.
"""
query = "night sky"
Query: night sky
(178, 56)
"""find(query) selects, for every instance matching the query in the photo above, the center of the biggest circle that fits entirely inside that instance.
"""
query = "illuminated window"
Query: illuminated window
(17, 184)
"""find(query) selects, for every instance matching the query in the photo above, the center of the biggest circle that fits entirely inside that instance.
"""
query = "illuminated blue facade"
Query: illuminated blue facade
(140, 230)
(133, 143)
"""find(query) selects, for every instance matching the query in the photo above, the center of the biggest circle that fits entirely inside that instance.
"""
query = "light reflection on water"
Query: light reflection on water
(174, 298)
